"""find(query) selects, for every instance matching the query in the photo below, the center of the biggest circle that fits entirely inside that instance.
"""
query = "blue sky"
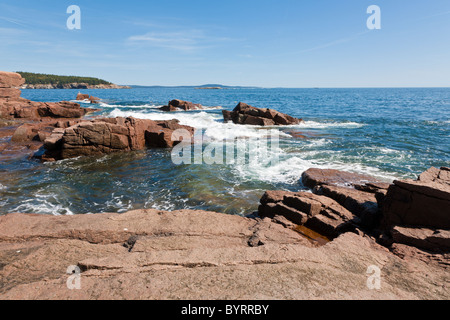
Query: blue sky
(267, 43)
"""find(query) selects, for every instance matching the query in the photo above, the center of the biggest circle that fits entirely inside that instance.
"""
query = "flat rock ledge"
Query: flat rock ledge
(151, 254)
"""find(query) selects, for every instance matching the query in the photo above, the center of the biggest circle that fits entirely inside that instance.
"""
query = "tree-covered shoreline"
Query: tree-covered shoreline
(40, 78)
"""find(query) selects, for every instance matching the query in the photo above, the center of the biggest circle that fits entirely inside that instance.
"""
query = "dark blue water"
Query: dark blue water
(389, 133)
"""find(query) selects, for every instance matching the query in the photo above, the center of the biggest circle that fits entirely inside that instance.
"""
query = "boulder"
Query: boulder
(248, 115)
(180, 105)
(39, 131)
(32, 132)
(164, 135)
(94, 100)
(362, 204)
(341, 201)
(417, 212)
(104, 136)
(28, 111)
(10, 80)
(435, 175)
(62, 109)
(54, 141)
(82, 96)
(421, 203)
(316, 177)
(319, 213)
(362, 194)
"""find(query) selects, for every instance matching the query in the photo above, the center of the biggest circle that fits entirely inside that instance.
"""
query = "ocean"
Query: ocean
(388, 133)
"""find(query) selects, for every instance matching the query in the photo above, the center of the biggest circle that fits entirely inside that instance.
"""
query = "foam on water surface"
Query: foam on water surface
(387, 133)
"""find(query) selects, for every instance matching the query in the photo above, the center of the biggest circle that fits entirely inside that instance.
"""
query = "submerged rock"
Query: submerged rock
(246, 114)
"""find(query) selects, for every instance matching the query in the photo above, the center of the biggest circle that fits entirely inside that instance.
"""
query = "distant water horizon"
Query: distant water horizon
(275, 87)
(389, 133)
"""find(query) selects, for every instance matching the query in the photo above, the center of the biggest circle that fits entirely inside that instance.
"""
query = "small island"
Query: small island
(209, 88)
(50, 81)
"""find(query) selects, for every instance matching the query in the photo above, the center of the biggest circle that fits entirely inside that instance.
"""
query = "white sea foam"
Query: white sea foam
(168, 204)
(214, 128)
(118, 203)
(41, 205)
(290, 166)
(284, 171)
(213, 108)
(82, 101)
(354, 167)
(2, 187)
(324, 125)
(196, 120)
(386, 150)
(316, 143)
(438, 122)
(143, 106)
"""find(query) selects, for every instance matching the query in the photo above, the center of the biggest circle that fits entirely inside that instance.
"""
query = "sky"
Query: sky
(264, 43)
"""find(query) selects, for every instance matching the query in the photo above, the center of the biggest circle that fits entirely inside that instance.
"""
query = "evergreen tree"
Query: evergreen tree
(39, 78)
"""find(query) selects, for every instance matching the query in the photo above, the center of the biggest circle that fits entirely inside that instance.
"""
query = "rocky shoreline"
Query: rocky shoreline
(152, 254)
(57, 131)
(311, 244)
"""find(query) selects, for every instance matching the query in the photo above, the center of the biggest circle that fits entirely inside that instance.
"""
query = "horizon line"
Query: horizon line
(281, 87)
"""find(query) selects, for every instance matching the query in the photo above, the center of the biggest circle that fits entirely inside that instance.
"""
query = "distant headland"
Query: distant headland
(50, 81)
(201, 87)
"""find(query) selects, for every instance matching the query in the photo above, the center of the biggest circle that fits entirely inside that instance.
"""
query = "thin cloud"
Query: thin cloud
(189, 40)
(11, 32)
(183, 41)
(14, 21)
(325, 45)
(334, 43)
(434, 15)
